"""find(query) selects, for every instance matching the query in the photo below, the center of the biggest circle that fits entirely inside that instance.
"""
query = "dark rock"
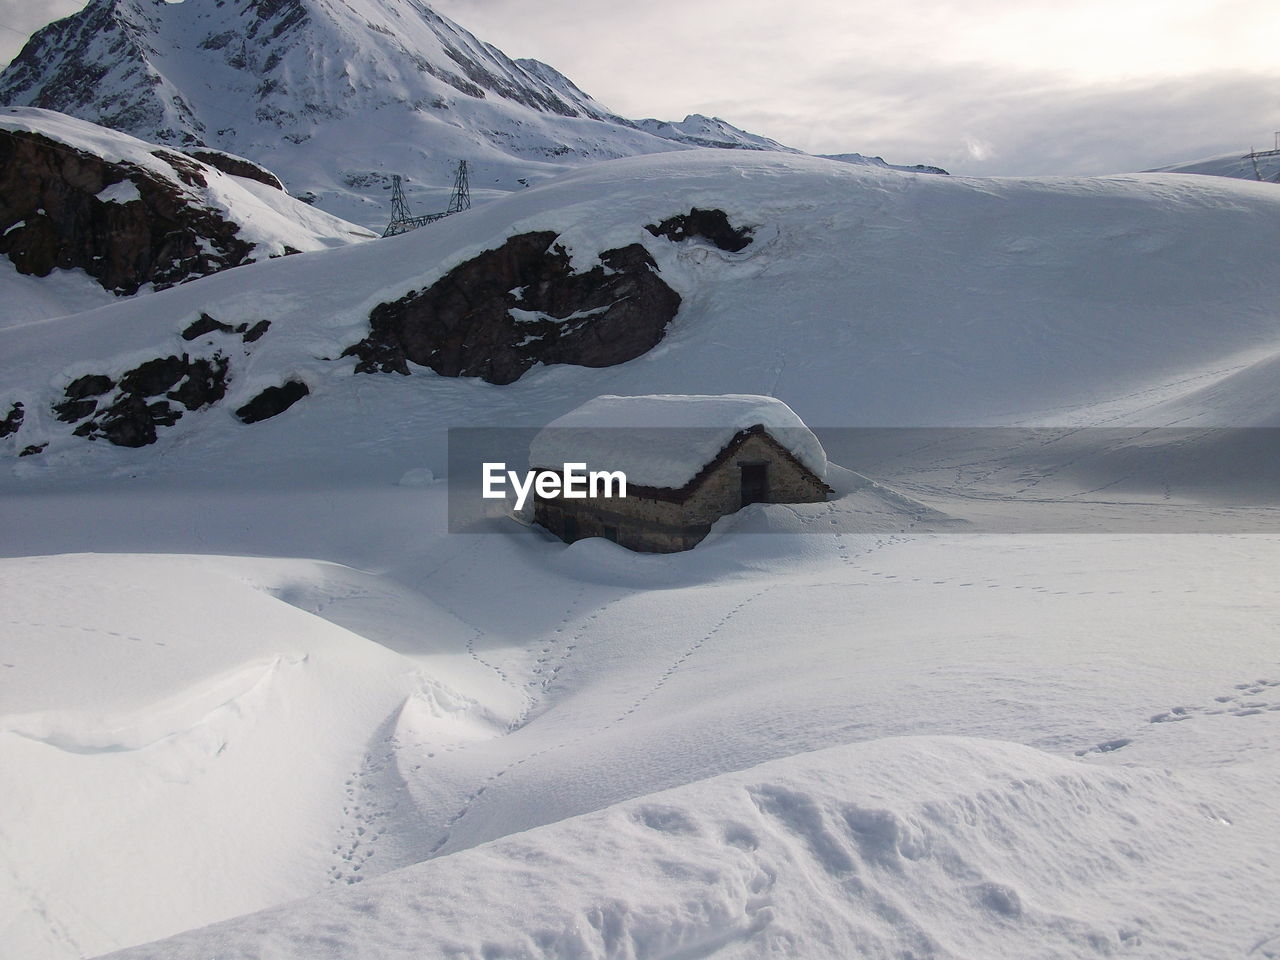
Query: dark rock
(255, 332)
(206, 383)
(131, 417)
(272, 401)
(69, 411)
(205, 324)
(712, 225)
(189, 171)
(51, 216)
(154, 377)
(237, 166)
(162, 414)
(128, 423)
(463, 325)
(32, 449)
(92, 385)
(12, 421)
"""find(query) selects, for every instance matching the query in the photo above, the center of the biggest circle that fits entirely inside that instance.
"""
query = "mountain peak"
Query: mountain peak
(336, 97)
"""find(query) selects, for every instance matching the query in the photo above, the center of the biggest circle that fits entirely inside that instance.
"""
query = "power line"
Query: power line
(403, 222)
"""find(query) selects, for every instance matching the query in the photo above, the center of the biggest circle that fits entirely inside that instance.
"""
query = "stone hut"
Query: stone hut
(688, 460)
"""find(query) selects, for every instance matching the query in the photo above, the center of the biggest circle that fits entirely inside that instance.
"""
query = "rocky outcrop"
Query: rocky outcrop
(12, 421)
(127, 413)
(500, 313)
(122, 224)
(237, 166)
(205, 324)
(711, 225)
(272, 401)
(130, 409)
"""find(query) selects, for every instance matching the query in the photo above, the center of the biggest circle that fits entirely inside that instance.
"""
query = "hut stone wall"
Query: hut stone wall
(665, 521)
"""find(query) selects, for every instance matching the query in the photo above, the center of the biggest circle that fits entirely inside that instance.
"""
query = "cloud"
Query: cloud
(984, 87)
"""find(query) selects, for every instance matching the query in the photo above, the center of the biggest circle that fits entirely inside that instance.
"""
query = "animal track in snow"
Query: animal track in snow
(364, 818)
(1242, 702)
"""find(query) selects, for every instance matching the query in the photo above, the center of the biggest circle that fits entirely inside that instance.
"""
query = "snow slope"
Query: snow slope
(867, 298)
(324, 723)
(1242, 166)
(921, 846)
(249, 668)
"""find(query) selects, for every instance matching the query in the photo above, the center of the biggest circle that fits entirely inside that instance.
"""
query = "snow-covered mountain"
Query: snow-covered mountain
(858, 158)
(335, 97)
(699, 131)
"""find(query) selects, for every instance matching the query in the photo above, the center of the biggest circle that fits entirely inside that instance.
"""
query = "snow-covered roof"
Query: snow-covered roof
(665, 440)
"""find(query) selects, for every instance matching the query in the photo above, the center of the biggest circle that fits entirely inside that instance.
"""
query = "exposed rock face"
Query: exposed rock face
(122, 224)
(12, 421)
(205, 324)
(237, 166)
(712, 225)
(272, 401)
(129, 411)
(497, 315)
(127, 414)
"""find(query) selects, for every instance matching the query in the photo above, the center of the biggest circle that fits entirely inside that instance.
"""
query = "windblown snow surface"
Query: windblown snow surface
(259, 701)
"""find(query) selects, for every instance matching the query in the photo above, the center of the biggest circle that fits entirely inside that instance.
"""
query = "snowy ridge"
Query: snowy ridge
(919, 846)
(880, 162)
(1241, 166)
(664, 441)
(699, 131)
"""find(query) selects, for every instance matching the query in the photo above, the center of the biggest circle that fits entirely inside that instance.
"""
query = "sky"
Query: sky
(980, 87)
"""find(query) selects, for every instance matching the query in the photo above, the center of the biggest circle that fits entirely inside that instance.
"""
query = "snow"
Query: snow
(912, 300)
(61, 293)
(918, 846)
(249, 678)
(664, 441)
(126, 191)
(701, 131)
(1242, 166)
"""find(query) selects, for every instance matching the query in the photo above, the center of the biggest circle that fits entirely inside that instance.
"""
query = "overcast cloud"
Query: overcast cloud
(979, 87)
